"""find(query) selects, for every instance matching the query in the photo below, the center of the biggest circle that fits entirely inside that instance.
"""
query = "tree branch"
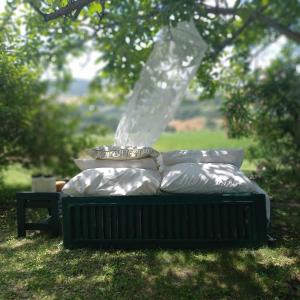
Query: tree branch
(293, 35)
(76, 6)
(237, 33)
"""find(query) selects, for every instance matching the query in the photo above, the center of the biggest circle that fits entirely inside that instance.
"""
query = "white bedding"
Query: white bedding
(208, 178)
(179, 178)
(90, 163)
(225, 156)
(114, 182)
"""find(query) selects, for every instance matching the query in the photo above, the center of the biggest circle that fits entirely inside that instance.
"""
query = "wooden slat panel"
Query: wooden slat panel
(77, 221)
(217, 222)
(123, 221)
(184, 221)
(131, 229)
(234, 220)
(208, 219)
(247, 218)
(193, 221)
(92, 221)
(240, 222)
(138, 226)
(207, 222)
(225, 222)
(96, 222)
(107, 222)
(85, 222)
(161, 221)
(101, 223)
(200, 221)
(153, 220)
(168, 221)
(114, 222)
(178, 222)
(145, 222)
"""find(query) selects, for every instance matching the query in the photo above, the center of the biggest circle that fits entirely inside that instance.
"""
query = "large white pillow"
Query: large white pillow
(225, 156)
(143, 163)
(205, 178)
(113, 181)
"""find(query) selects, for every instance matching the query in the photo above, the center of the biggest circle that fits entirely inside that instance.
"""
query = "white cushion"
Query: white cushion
(143, 163)
(113, 181)
(205, 178)
(225, 156)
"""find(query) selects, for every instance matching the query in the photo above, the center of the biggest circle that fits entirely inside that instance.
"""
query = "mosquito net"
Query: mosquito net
(163, 82)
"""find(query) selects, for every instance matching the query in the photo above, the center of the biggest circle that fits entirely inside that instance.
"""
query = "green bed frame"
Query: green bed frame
(165, 221)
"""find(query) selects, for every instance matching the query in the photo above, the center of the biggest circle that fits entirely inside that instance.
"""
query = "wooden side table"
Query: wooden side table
(38, 200)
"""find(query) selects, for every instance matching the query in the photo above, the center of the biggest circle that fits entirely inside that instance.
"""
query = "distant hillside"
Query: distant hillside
(77, 88)
(191, 114)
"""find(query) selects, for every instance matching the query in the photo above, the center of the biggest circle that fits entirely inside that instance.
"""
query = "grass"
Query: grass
(203, 139)
(39, 267)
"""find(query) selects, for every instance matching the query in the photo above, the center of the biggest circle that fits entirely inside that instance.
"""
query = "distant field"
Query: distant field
(198, 140)
(190, 140)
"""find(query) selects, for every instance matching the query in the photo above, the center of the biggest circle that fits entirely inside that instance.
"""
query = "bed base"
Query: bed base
(165, 221)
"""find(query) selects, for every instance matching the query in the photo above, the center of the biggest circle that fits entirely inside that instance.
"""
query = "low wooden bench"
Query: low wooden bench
(166, 221)
(32, 200)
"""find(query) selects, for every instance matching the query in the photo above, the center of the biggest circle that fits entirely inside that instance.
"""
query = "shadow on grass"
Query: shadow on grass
(39, 267)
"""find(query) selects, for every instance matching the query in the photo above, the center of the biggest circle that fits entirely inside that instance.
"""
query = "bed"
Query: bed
(165, 221)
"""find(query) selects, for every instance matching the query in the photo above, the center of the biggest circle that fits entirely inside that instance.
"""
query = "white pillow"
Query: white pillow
(122, 152)
(205, 178)
(143, 163)
(113, 181)
(225, 156)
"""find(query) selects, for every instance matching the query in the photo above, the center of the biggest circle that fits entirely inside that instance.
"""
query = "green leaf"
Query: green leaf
(95, 8)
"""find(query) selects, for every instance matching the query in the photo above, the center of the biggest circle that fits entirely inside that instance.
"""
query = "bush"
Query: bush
(267, 107)
(35, 131)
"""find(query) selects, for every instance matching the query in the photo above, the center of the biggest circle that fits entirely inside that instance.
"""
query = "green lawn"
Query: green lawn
(203, 139)
(39, 267)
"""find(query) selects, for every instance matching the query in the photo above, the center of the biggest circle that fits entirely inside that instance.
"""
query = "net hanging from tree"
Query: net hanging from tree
(164, 79)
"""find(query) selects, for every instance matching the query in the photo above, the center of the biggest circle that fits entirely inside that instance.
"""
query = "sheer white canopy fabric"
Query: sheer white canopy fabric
(163, 82)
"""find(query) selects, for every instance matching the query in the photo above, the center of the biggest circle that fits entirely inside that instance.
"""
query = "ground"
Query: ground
(39, 267)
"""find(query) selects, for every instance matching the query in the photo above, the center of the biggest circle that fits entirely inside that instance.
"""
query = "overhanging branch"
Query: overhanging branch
(293, 35)
(72, 9)
(266, 20)
(237, 33)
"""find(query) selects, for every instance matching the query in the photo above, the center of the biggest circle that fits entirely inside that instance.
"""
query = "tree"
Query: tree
(72, 9)
(34, 131)
(266, 106)
(124, 34)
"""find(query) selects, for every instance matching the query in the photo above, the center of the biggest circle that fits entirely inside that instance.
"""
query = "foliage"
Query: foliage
(20, 91)
(124, 36)
(34, 131)
(267, 107)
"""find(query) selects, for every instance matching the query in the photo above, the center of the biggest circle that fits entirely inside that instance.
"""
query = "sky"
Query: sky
(85, 67)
